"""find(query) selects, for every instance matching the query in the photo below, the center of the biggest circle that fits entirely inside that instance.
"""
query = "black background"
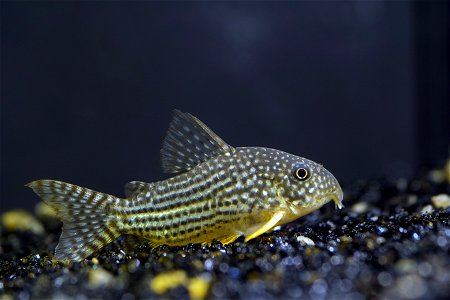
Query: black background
(88, 87)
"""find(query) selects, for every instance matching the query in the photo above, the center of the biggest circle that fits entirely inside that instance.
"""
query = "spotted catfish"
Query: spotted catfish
(219, 193)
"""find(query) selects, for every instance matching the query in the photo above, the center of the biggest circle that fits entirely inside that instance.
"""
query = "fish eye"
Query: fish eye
(302, 173)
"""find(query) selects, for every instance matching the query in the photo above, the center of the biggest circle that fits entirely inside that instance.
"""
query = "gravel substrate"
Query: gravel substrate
(392, 240)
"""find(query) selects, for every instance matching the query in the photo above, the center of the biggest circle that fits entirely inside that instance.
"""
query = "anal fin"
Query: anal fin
(129, 243)
(265, 227)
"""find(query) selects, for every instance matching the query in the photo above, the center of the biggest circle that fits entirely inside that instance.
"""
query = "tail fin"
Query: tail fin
(88, 221)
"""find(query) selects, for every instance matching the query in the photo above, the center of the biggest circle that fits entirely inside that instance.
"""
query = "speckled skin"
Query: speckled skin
(231, 195)
(221, 193)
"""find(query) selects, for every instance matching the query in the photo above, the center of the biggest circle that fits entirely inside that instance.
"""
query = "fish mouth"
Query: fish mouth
(297, 209)
(337, 198)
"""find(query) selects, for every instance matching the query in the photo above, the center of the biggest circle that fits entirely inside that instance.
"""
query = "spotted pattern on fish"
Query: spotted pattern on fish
(218, 193)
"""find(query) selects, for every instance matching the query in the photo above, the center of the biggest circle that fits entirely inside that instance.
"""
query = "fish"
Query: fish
(217, 193)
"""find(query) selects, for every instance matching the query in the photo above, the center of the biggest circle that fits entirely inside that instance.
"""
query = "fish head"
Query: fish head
(306, 185)
(302, 184)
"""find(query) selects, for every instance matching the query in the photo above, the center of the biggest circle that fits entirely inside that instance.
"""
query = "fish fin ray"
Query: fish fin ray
(130, 243)
(265, 227)
(188, 143)
(228, 239)
(85, 214)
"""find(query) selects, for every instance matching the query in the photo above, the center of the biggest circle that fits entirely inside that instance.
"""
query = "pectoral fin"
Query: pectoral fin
(266, 227)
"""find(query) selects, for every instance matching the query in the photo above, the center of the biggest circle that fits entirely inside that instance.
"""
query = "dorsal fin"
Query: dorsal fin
(188, 143)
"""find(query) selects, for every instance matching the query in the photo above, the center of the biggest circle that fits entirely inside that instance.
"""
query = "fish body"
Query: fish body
(220, 193)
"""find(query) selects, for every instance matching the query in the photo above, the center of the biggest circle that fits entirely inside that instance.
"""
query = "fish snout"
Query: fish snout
(334, 192)
(338, 197)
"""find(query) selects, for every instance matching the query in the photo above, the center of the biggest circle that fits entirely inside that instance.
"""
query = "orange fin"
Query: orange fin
(266, 227)
(225, 240)
(229, 239)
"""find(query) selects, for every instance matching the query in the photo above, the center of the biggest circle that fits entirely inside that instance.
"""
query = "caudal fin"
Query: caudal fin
(88, 221)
